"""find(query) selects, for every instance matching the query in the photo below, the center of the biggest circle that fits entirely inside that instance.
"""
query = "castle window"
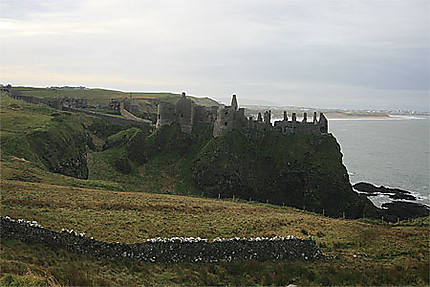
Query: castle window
(225, 123)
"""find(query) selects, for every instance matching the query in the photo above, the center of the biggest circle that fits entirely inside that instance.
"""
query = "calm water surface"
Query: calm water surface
(392, 152)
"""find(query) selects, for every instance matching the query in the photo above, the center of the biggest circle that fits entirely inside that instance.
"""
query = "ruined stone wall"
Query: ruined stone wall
(297, 127)
(166, 114)
(128, 104)
(203, 115)
(224, 121)
(114, 105)
(56, 103)
(262, 126)
(240, 121)
(323, 123)
(185, 113)
(231, 118)
(303, 127)
(126, 114)
(163, 249)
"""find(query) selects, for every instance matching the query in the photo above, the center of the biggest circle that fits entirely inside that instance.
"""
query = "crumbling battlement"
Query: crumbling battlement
(185, 113)
(233, 118)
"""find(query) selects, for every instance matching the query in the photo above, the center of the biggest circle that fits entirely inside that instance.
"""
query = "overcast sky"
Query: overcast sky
(332, 54)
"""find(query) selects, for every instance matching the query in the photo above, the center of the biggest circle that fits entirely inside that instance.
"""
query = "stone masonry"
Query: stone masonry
(165, 250)
(233, 118)
(186, 113)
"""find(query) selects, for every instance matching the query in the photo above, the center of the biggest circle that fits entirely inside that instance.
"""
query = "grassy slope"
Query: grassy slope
(46, 137)
(94, 96)
(167, 168)
(18, 117)
(395, 254)
(102, 96)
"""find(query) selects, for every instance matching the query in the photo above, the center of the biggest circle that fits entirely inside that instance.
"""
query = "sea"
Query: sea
(392, 152)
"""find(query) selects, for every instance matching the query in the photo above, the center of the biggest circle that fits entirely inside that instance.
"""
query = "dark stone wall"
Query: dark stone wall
(165, 250)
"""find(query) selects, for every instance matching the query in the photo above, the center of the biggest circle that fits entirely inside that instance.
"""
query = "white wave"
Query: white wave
(404, 117)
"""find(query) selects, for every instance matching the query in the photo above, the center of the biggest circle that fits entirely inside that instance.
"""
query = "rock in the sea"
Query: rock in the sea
(393, 193)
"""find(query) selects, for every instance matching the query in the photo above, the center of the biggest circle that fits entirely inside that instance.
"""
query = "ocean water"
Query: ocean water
(389, 152)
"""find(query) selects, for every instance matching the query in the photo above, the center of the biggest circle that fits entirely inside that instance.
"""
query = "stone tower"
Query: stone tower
(225, 118)
(184, 112)
(323, 124)
(234, 104)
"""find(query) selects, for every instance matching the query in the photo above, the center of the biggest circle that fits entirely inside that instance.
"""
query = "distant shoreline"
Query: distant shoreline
(385, 117)
(332, 117)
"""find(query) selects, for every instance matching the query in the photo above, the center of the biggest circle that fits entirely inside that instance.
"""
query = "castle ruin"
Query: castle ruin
(187, 114)
(233, 118)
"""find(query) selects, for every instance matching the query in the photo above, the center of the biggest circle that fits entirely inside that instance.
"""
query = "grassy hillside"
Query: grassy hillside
(144, 105)
(94, 96)
(102, 96)
(117, 203)
(371, 253)
(298, 170)
(18, 117)
(57, 141)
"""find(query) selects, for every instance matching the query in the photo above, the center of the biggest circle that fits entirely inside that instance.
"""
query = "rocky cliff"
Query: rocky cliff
(304, 171)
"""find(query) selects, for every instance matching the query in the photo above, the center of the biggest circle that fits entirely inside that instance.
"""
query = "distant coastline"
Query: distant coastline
(384, 117)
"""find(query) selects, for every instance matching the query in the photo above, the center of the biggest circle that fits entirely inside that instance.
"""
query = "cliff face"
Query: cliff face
(304, 171)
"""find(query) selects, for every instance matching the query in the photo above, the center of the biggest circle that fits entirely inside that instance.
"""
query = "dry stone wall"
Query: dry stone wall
(165, 250)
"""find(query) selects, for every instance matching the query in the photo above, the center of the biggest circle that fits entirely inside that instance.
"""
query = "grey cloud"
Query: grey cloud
(331, 52)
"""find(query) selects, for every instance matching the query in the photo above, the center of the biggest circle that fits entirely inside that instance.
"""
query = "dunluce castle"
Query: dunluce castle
(187, 114)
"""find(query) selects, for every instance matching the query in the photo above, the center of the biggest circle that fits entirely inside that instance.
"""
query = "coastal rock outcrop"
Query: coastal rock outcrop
(393, 193)
(404, 204)
(304, 171)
